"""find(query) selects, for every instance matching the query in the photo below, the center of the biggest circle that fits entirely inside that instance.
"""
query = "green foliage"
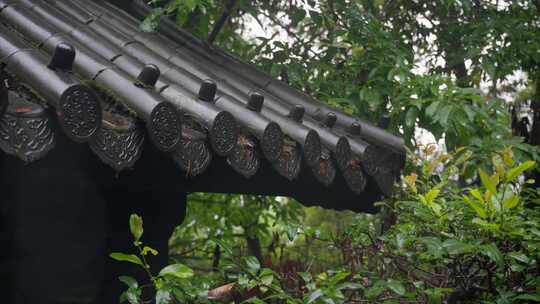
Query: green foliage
(172, 284)
(478, 243)
(473, 236)
(464, 225)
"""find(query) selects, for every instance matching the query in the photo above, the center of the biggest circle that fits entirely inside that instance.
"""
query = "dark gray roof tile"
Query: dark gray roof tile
(199, 103)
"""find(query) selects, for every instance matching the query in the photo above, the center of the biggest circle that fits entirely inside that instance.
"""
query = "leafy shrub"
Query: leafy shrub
(446, 243)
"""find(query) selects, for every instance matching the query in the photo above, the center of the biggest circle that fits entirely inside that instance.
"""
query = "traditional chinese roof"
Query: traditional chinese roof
(227, 126)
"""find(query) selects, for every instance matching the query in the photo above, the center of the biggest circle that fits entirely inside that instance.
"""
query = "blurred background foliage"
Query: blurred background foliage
(463, 225)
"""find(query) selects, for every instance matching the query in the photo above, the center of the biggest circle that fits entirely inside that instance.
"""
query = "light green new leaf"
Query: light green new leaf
(122, 257)
(476, 193)
(436, 208)
(511, 202)
(477, 207)
(516, 171)
(340, 276)
(136, 226)
(150, 250)
(487, 182)
(432, 195)
(179, 271)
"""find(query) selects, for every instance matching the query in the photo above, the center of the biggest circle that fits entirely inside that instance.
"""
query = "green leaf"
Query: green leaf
(136, 226)
(122, 257)
(434, 295)
(432, 109)
(436, 208)
(477, 207)
(455, 247)
(528, 297)
(516, 171)
(432, 195)
(163, 297)
(520, 257)
(396, 286)
(444, 114)
(340, 276)
(433, 244)
(511, 202)
(131, 295)
(306, 276)
(266, 276)
(147, 250)
(253, 264)
(375, 290)
(486, 181)
(129, 281)
(292, 231)
(179, 271)
(298, 16)
(314, 296)
(493, 253)
(410, 117)
(151, 22)
(351, 286)
(476, 193)
(254, 300)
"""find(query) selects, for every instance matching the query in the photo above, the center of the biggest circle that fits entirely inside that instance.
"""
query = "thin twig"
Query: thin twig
(221, 21)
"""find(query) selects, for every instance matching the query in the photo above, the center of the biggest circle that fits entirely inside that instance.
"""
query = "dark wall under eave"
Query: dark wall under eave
(158, 171)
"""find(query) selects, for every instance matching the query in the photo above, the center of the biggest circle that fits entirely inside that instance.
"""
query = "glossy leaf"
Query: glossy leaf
(131, 258)
(163, 297)
(487, 182)
(511, 202)
(479, 209)
(253, 264)
(179, 271)
(517, 171)
(314, 296)
(129, 281)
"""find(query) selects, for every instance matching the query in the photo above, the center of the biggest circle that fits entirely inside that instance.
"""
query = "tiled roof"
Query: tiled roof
(90, 62)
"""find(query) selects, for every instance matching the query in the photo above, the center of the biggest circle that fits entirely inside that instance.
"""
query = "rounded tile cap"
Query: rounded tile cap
(149, 75)
(256, 101)
(207, 91)
(354, 129)
(63, 57)
(297, 113)
(330, 120)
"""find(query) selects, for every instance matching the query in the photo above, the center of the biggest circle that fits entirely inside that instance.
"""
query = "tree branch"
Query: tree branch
(221, 21)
